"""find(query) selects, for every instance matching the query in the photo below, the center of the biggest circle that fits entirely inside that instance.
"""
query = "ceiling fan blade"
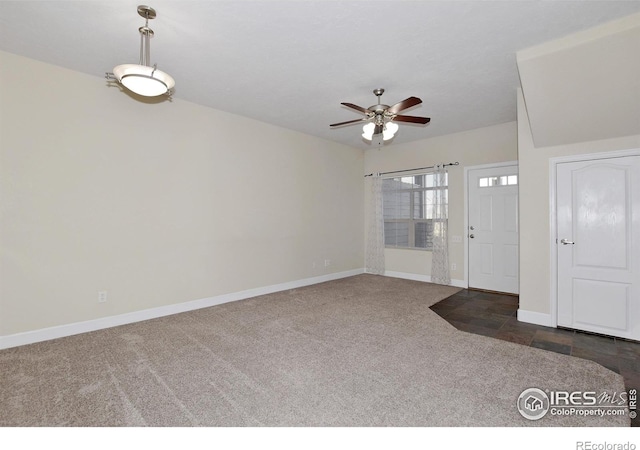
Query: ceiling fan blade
(404, 104)
(348, 122)
(356, 107)
(411, 119)
(378, 129)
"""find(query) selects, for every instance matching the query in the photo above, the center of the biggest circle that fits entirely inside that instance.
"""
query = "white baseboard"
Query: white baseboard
(45, 334)
(535, 318)
(419, 277)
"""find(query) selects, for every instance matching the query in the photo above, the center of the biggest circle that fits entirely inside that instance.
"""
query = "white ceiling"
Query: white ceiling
(291, 63)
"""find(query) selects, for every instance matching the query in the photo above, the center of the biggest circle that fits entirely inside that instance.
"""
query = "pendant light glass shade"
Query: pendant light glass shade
(144, 80)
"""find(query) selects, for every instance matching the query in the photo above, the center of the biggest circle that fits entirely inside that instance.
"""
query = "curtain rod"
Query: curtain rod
(411, 170)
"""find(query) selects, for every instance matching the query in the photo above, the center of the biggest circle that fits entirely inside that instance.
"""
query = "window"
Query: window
(408, 205)
(504, 180)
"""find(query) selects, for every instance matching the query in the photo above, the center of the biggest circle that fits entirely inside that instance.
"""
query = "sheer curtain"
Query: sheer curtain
(375, 237)
(440, 256)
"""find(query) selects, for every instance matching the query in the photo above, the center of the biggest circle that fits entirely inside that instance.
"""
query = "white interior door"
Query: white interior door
(493, 228)
(598, 223)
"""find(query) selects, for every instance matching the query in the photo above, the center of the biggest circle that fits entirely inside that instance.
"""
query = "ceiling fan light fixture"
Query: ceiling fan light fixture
(367, 131)
(381, 119)
(143, 78)
(389, 131)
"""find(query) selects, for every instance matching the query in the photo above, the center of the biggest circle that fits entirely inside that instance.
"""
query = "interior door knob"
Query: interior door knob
(471, 228)
(566, 242)
(471, 236)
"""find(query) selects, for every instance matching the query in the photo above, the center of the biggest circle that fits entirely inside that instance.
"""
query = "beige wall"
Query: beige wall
(156, 203)
(476, 147)
(535, 238)
(584, 87)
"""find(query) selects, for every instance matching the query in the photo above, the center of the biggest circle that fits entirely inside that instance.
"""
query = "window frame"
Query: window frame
(411, 221)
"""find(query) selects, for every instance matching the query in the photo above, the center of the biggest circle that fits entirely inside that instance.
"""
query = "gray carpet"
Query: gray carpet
(361, 351)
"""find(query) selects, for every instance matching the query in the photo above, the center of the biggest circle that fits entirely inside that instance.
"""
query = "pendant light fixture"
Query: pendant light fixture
(143, 78)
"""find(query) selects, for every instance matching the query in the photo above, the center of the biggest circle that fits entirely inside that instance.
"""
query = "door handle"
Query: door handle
(566, 242)
(471, 236)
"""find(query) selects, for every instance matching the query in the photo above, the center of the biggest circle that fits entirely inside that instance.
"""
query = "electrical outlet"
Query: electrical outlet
(456, 239)
(454, 266)
(327, 262)
(102, 296)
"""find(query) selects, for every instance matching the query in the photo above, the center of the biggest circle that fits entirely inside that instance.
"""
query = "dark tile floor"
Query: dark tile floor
(494, 315)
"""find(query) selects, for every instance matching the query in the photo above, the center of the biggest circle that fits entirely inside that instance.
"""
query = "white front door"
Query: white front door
(493, 228)
(598, 226)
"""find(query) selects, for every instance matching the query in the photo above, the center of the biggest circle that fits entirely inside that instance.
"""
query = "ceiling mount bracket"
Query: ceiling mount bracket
(147, 12)
(379, 109)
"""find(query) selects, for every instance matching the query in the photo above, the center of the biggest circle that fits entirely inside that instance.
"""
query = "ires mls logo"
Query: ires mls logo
(534, 403)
